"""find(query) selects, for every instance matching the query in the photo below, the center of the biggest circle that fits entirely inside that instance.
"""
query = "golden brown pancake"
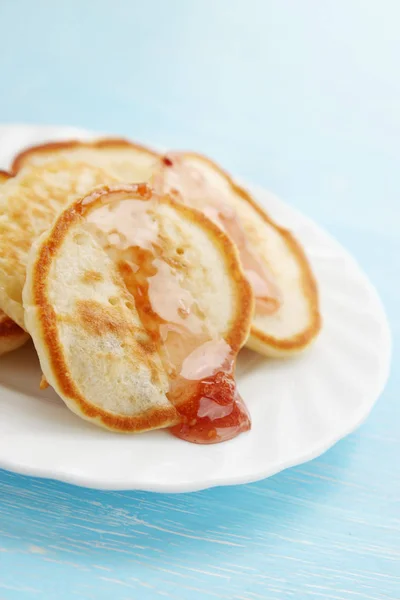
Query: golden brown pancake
(287, 317)
(11, 335)
(138, 306)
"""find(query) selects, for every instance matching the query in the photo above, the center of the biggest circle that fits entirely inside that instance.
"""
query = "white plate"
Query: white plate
(299, 407)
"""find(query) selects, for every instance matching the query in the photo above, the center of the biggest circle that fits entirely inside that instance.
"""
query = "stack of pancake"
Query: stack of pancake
(139, 277)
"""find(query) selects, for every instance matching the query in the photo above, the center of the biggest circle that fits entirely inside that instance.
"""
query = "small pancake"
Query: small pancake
(47, 178)
(287, 317)
(132, 302)
(125, 159)
(11, 335)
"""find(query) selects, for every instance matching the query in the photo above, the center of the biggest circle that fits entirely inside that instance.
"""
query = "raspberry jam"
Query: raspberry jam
(215, 412)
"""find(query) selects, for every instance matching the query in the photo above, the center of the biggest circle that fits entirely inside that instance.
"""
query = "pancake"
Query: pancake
(137, 307)
(11, 335)
(287, 317)
(45, 179)
(125, 159)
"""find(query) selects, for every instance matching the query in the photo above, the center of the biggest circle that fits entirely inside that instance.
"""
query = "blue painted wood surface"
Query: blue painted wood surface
(304, 98)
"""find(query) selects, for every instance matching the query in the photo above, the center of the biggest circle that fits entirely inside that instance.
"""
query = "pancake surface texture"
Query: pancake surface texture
(287, 317)
(131, 300)
(46, 179)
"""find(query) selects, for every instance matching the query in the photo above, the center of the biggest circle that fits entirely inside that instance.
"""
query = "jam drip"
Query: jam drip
(215, 412)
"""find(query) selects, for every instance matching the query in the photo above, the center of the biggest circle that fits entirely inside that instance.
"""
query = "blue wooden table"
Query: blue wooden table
(304, 98)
